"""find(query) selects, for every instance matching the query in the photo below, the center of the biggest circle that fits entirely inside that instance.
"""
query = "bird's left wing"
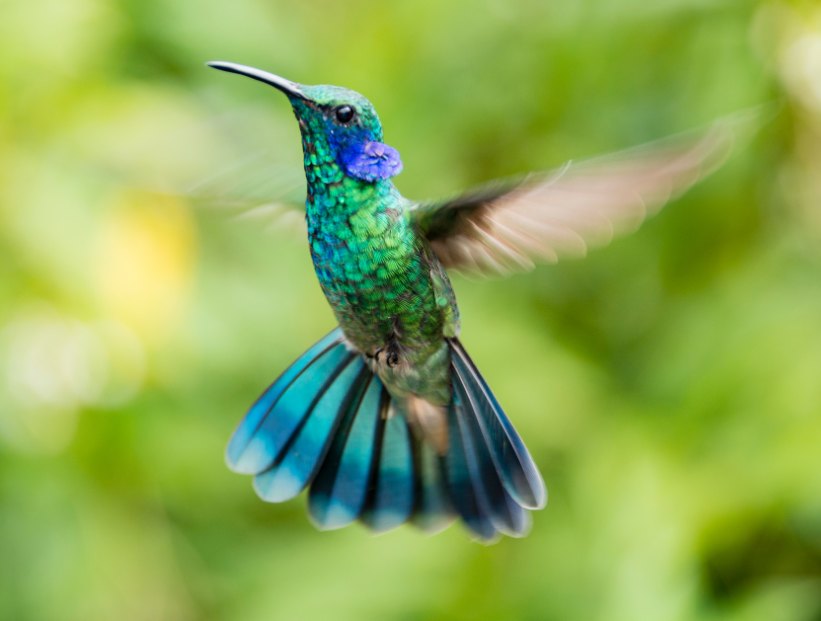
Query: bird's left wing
(506, 226)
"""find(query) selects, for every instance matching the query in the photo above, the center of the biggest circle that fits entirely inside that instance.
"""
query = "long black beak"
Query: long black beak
(286, 86)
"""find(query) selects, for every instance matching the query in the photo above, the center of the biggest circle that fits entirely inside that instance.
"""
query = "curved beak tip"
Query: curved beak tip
(286, 86)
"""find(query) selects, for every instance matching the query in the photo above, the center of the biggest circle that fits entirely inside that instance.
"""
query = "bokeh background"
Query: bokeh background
(669, 386)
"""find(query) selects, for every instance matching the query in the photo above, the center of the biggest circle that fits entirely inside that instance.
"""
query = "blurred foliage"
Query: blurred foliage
(669, 386)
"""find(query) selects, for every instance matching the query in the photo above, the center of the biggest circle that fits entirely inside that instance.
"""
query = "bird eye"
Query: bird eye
(344, 114)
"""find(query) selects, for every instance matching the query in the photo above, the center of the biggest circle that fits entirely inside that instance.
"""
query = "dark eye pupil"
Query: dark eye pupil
(344, 114)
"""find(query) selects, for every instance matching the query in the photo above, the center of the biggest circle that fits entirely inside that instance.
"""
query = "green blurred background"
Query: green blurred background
(669, 386)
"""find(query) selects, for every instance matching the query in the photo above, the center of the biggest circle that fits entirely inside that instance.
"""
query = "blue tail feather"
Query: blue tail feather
(268, 426)
(460, 480)
(339, 493)
(392, 496)
(289, 412)
(434, 509)
(506, 515)
(516, 468)
(323, 424)
(302, 458)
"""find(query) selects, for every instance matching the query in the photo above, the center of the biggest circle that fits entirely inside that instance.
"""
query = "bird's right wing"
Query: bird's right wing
(257, 189)
(506, 226)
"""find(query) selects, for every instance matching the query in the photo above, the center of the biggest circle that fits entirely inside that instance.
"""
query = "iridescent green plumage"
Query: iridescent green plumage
(388, 419)
(393, 300)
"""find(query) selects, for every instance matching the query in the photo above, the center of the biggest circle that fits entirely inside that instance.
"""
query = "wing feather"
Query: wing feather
(508, 225)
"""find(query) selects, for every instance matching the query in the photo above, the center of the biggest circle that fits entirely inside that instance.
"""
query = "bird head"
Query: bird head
(336, 121)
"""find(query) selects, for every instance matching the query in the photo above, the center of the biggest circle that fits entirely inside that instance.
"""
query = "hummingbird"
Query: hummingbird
(387, 420)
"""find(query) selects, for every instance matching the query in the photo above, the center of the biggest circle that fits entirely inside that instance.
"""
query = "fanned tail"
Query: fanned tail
(491, 476)
(326, 423)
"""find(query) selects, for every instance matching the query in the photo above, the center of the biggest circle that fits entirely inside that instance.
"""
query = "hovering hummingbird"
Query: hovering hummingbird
(386, 419)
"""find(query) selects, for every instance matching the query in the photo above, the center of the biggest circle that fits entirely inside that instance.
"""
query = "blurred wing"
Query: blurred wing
(255, 188)
(505, 226)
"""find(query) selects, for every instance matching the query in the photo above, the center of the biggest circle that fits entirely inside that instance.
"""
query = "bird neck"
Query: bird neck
(330, 191)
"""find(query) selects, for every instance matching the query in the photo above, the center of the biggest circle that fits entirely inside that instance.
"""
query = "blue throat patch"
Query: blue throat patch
(370, 161)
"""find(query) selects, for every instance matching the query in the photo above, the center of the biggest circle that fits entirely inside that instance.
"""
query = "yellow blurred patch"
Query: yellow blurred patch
(146, 259)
